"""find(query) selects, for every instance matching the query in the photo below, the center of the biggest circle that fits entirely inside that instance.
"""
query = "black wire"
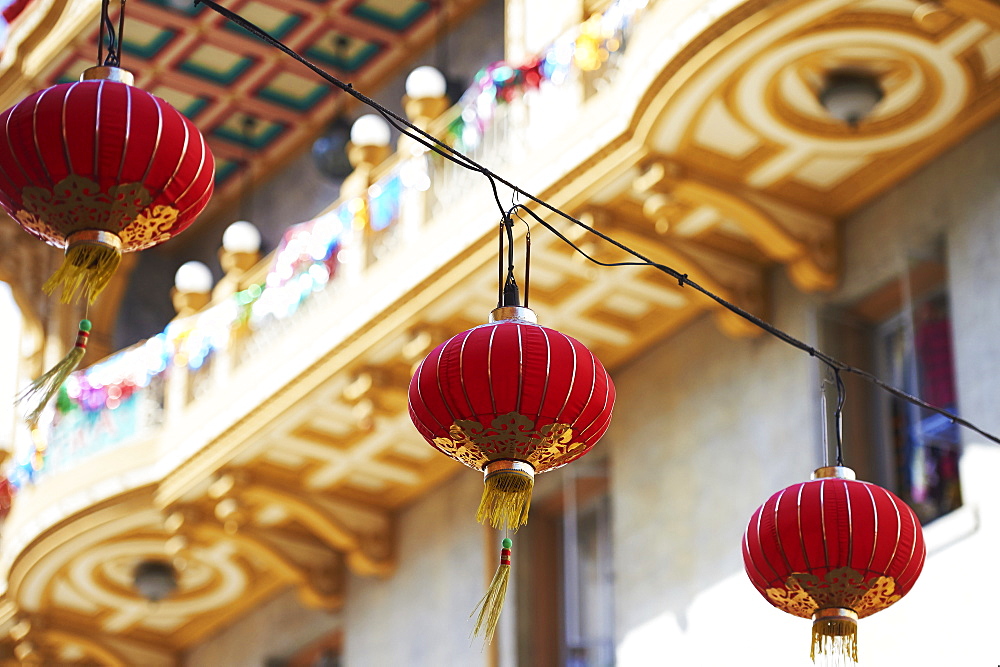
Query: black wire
(432, 143)
(121, 34)
(100, 34)
(838, 415)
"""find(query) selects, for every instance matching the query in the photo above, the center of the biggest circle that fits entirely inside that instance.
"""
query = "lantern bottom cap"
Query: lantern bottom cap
(92, 257)
(835, 635)
(506, 493)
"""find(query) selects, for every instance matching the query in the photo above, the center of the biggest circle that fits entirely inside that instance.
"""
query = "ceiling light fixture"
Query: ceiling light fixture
(850, 95)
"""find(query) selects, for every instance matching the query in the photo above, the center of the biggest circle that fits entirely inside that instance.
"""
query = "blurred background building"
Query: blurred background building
(234, 479)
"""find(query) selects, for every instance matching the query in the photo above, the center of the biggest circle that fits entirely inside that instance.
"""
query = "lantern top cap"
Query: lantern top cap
(108, 74)
(515, 313)
(836, 472)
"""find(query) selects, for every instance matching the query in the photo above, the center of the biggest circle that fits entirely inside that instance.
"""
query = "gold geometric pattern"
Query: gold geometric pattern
(844, 587)
(510, 436)
(77, 203)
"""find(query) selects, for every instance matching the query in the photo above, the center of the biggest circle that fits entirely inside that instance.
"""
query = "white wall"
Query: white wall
(420, 616)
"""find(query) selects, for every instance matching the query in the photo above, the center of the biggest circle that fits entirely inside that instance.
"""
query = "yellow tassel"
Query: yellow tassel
(506, 499)
(86, 270)
(491, 604)
(835, 642)
(41, 391)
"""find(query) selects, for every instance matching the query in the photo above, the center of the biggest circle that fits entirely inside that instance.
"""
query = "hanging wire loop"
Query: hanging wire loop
(434, 144)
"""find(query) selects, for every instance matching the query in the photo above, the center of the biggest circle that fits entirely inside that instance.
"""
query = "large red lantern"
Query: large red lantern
(835, 550)
(100, 167)
(512, 399)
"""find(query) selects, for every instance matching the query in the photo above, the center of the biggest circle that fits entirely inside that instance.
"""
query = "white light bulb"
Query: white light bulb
(193, 277)
(241, 236)
(370, 130)
(425, 82)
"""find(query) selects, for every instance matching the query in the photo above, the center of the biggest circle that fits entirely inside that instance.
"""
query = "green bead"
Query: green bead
(506, 543)
(85, 325)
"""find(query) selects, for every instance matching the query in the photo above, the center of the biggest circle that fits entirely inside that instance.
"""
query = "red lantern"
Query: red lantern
(512, 399)
(100, 167)
(835, 550)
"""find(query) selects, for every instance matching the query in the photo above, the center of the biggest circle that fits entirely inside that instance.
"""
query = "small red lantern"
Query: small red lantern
(835, 550)
(100, 167)
(513, 399)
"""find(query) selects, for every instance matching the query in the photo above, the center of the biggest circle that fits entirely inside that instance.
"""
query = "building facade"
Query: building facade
(261, 447)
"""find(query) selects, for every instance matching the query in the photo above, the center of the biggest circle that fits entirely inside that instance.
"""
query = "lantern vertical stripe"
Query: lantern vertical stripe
(875, 530)
(489, 371)
(798, 520)
(156, 141)
(548, 369)
(850, 523)
(128, 135)
(35, 134)
(65, 124)
(97, 133)
(520, 375)
(777, 531)
(569, 390)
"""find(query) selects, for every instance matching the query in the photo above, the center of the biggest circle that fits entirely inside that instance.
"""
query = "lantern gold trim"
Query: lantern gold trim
(507, 493)
(92, 257)
(835, 633)
(519, 313)
(116, 74)
(836, 472)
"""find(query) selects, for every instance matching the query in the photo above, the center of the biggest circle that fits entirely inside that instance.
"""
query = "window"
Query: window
(902, 332)
(916, 356)
(564, 576)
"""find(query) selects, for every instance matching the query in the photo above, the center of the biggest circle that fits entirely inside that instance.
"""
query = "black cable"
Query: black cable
(121, 34)
(432, 143)
(838, 415)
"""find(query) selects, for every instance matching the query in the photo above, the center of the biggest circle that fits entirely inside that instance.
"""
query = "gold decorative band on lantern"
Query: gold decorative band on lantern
(518, 313)
(92, 256)
(835, 472)
(835, 635)
(506, 494)
(108, 74)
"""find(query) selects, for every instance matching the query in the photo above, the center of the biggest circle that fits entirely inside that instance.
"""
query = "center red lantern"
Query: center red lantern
(512, 399)
(835, 550)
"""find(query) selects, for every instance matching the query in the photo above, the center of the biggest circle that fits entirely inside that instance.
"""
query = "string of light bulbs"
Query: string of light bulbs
(683, 280)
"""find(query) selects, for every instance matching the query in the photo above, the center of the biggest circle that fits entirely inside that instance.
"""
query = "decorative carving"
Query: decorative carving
(804, 593)
(511, 436)
(77, 203)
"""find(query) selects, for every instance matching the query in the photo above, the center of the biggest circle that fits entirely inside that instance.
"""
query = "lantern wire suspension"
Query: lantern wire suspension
(838, 415)
(508, 293)
(114, 57)
(433, 144)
